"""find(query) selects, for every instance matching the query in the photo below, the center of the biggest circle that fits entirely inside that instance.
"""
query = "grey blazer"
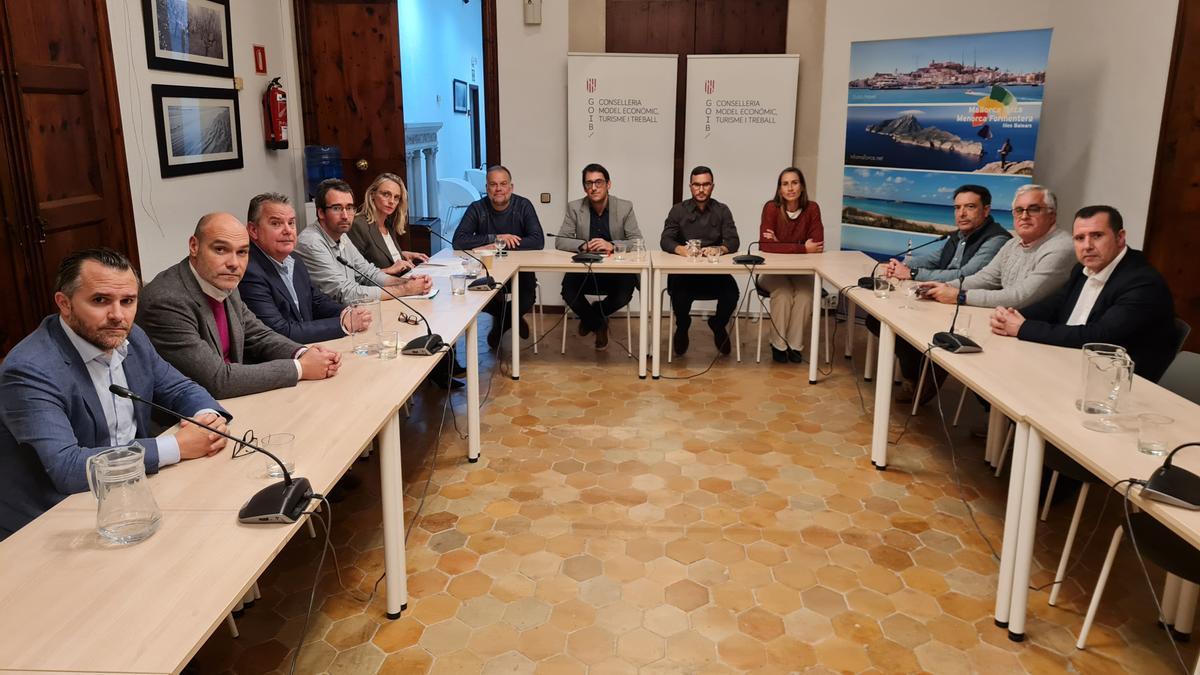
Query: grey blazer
(369, 242)
(622, 223)
(176, 317)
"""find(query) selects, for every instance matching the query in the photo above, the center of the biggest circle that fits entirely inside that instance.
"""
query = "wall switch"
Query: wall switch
(237, 83)
(545, 197)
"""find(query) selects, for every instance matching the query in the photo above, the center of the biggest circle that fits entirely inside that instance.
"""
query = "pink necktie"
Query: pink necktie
(218, 310)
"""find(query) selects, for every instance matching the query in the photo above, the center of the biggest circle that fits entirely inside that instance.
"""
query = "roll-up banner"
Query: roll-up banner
(741, 122)
(621, 114)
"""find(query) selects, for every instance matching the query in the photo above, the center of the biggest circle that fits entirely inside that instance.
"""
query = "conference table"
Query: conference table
(72, 603)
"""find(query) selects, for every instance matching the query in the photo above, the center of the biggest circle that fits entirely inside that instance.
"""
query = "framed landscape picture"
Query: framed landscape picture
(461, 102)
(188, 36)
(198, 129)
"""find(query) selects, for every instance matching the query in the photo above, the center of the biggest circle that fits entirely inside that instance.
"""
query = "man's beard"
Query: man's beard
(101, 337)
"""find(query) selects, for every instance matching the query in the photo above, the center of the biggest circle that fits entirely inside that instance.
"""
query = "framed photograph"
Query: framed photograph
(188, 36)
(461, 102)
(198, 129)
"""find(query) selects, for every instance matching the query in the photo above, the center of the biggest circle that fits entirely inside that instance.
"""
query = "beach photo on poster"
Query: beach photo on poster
(948, 69)
(944, 138)
(918, 201)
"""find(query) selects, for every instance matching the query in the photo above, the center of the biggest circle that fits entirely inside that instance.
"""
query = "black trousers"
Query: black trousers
(685, 289)
(617, 290)
(496, 306)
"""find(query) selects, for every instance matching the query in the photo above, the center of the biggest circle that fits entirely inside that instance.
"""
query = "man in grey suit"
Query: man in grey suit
(197, 320)
(593, 224)
(56, 410)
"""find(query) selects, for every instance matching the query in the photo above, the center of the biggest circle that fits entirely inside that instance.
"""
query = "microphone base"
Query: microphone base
(748, 259)
(482, 284)
(867, 283)
(426, 345)
(955, 344)
(277, 503)
(1175, 486)
(587, 258)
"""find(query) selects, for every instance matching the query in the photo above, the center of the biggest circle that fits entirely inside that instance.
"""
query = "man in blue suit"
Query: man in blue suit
(277, 286)
(55, 407)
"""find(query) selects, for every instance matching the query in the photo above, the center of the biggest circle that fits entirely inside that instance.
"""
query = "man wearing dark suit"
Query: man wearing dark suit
(55, 407)
(277, 287)
(1113, 295)
(196, 319)
(594, 224)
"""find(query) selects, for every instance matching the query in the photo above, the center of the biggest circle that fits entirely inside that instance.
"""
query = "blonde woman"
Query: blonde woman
(790, 224)
(378, 227)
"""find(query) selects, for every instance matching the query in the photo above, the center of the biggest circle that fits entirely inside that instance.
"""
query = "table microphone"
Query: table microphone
(748, 259)
(428, 344)
(484, 283)
(282, 502)
(868, 282)
(1172, 485)
(948, 340)
(583, 257)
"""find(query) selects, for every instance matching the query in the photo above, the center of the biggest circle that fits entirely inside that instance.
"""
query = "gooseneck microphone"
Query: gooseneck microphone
(483, 283)
(749, 259)
(427, 345)
(868, 282)
(949, 340)
(282, 502)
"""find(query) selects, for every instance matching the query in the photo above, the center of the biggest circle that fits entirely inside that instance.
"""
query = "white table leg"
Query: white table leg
(1012, 516)
(814, 344)
(515, 285)
(391, 481)
(872, 349)
(995, 436)
(1026, 530)
(656, 320)
(850, 314)
(883, 396)
(644, 292)
(473, 390)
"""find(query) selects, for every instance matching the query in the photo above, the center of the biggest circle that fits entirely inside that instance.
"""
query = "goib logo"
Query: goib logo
(710, 86)
(591, 85)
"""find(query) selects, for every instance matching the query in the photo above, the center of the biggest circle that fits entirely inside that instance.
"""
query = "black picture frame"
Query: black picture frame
(199, 129)
(461, 98)
(189, 36)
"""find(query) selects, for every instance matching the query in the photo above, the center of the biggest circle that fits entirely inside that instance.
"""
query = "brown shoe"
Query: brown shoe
(583, 329)
(602, 338)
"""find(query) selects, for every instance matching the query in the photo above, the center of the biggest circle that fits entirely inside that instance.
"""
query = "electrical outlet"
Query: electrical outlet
(545, 197)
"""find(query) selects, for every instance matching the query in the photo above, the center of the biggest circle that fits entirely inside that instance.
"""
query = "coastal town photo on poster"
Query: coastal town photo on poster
(926, 115)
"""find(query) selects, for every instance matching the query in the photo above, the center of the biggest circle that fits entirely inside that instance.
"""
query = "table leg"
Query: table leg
(883, 396)
(473, 390)
(644, 293)
(391, 481)
(1026, 531)
(514, 324)
(656, 320)
(814, 345)
(1012, 517)
(850, 314)
(995, 436)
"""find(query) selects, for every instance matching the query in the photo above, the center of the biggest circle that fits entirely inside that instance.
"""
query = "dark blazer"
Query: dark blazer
(179, 322)
(51, 421)
(369, 242)
(1133, 310)
(577, 223)
(318, 318)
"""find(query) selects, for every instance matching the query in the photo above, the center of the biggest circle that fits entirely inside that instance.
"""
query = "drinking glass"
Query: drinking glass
(500, 247)
(389, 344)
(618, 250)
(713, 254)
(360, 334)
(637, 250)
(458, 284)
(472, 268)
(910, 294)
(883, 286)
(1152, 429)
(693, 249)
(280, 445)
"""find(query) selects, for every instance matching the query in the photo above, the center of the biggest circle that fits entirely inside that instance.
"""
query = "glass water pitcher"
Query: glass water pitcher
(126, 512)
(1107, 373)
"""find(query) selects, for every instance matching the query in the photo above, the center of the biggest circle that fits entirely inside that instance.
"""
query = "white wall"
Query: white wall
(1105, 83)
(166, 210)
(441, 41)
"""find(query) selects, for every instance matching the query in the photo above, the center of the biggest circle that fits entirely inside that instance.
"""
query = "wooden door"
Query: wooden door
(349, 57)
(64, 172)
(1172, 237)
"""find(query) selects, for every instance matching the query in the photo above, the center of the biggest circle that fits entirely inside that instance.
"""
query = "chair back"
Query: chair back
(454, 195)
(1183, 377)
(477, 178)
(1182, 331)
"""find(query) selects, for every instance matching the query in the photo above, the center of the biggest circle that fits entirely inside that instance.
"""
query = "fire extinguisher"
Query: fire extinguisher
(275, 116)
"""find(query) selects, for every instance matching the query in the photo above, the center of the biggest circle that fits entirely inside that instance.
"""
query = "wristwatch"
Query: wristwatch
(962, 297)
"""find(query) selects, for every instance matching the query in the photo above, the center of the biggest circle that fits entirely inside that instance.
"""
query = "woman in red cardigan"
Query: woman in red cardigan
(790, 224)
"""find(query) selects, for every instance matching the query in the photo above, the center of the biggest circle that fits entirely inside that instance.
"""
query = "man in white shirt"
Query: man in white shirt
(322, 243)
(1114, 295)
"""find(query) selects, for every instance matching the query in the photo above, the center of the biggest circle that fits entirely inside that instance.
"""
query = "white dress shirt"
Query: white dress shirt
(1091, 290)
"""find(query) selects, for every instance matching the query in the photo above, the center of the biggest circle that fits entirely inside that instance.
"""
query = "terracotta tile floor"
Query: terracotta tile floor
(726, 523)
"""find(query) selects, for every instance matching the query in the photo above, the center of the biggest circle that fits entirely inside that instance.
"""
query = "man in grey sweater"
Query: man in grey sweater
(1027, 268)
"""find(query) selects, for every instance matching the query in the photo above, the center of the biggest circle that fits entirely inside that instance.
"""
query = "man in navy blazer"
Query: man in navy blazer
(55, 407)
(277, 286)
(1113, 295)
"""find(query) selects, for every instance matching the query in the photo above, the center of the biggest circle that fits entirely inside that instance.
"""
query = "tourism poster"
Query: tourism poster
(926, 115)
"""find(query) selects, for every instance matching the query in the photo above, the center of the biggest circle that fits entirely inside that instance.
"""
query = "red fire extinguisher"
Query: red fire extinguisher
(275, 116)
